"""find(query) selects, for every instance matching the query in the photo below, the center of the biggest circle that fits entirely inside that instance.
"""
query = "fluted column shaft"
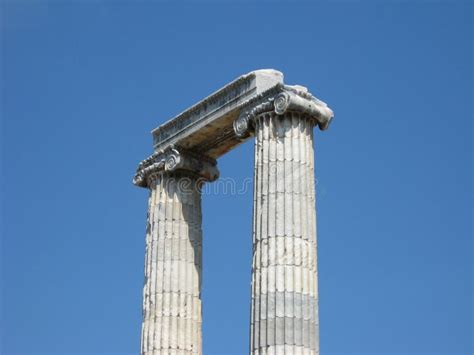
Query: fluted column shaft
(284, 314)
(171, 294)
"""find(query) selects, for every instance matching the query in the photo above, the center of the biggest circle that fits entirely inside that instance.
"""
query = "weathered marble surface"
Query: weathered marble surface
(177, 161)
(172, 320)
(284, 315)
(208, 127)
(284, 268)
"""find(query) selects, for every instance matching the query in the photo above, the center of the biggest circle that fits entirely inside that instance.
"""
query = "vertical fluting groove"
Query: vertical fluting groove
(289, 230)
(198, 216)
(253, 286)
(263, 179)
(159, 277)
(284, 275)
(297, 223)
(189, 268)
(271, 315)
(153, 269)
(171, 293)
(304, 232)
(312, 218)
(167, 264)
(146, 285)
(264, 232)
(270, 275)
(315, 249)
(279, 237)
(158, 231)
(256, 249)
(154, 330)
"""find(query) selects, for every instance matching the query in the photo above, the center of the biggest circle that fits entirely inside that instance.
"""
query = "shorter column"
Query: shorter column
(172, 290)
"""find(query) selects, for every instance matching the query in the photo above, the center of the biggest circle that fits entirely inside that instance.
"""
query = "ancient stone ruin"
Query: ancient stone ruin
(284, 306)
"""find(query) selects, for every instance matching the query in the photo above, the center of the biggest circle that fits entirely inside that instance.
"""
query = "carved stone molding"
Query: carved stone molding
(244, 124)
(284, 314)
(288, 98)
(175, 160)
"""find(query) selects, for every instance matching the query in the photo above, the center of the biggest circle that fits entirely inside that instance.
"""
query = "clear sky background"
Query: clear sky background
(84, 82)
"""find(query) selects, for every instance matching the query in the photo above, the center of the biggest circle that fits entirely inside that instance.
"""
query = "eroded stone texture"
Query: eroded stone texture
(284, 282)
(284, 312)
(206, 127)
(172, 319)
(284, 318)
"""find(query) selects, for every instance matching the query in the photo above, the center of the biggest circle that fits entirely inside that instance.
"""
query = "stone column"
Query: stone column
(173, 263)
(284, 312)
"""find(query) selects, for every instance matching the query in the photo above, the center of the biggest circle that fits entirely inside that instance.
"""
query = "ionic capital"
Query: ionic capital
(178, 161)
(288, 99)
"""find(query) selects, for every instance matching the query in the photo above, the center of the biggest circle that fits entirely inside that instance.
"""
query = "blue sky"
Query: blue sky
(84, 82)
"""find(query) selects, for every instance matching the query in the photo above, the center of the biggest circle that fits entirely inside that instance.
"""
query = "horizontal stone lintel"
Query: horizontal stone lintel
(208, 127)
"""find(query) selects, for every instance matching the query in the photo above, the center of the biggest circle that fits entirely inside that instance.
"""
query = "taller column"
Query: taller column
(284, 312)
(173, 262)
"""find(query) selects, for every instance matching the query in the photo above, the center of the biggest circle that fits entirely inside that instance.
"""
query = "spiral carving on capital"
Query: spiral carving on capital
(172, 160)
(281, 103)
(241, 126)
(177, 161)
(289, 98)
